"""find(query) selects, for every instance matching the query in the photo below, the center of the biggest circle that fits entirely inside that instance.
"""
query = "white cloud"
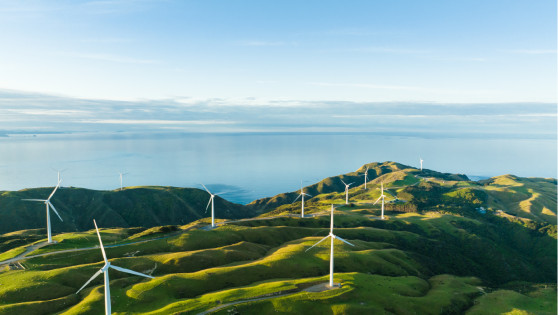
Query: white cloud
(368, 86)
(48, 112)
(534, 51)
(390, 50)
(157, 122)
(110, 58)
(260, 43)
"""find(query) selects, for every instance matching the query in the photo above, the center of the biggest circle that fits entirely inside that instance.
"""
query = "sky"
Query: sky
(287, 52)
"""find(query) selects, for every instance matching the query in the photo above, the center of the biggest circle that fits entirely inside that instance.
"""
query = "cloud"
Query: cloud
(47, 112)
(534, 51)
(368, 86)
(260, 43)
(156, 122)
(109, 58)
(389, 50)
(106, 40)
(29, 113)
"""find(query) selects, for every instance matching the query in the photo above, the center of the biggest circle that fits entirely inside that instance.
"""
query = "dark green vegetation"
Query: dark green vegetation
(444, 257)
(133, 206)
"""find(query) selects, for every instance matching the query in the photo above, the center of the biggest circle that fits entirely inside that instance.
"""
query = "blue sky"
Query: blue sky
(261, 51)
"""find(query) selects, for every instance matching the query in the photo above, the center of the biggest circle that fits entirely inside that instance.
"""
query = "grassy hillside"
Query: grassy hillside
(417, 260)
(436, 252)
(133, 206)
(532, 198)
(377, 172)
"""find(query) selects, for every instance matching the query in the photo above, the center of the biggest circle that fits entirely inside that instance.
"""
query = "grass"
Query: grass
(12, 253)
(541, 301)
(370, 294)
(401, 265)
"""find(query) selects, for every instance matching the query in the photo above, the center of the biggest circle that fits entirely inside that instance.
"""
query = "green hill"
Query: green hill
(387, 172)
(425, 263)
(448, 246)
(134, 206)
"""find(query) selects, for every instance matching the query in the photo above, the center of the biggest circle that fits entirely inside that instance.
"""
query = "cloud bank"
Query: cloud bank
(25, 114)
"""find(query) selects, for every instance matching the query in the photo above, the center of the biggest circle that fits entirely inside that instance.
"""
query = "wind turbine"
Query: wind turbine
(365, 177)
(59, 171)
(346, 192)
(105, 270)
(121, 174)
(302, 193)
(421, 160)
(382, 196)
(333, 236)
(212, 202)
(48, 206)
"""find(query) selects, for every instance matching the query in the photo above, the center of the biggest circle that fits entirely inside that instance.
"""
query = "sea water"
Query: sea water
(245, 167)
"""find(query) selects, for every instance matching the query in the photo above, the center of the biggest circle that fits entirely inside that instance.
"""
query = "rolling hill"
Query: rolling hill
(134, 206)
(448, 246)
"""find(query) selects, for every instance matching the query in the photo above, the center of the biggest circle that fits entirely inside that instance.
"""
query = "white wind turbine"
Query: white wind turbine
(212, 202)
(105, 270)
(302, 193)
(59, 172)
(365, 177)
(421, 160)
(121, 175)
(382, 196)
(49, 206)
(333, 237)
(346, 192)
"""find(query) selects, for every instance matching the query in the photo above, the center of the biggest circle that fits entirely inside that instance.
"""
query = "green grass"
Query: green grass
(541, 301)
(401, 265)
(12, 253)
(370, 294)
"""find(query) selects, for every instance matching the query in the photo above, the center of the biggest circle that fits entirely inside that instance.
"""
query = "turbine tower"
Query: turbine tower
(333, 237)
(48, 207)
(382, 196)
(421, 160)
(365, 177)
(105, 270)
(121, 175)
(346, 191)
(302, 193)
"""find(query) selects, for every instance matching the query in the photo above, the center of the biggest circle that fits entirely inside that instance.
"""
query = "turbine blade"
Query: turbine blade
(377, 200)
(210, 199)
(55, 188)
(90, 279)
(337, 237)
(130, 271)
(351, 184)
(100, 242)
(223, 192)
(206, 189)
(54, 209)
(323, 239)
(43, 200)
(308, 195)
(342, 182)
(296, 198)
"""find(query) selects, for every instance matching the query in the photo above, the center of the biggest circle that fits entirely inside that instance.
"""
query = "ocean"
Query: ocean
(247, 166)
